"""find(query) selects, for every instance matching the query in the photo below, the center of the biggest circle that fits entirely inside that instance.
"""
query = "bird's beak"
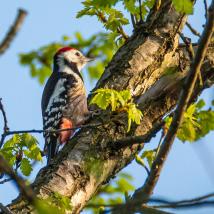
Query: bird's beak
(87, 59)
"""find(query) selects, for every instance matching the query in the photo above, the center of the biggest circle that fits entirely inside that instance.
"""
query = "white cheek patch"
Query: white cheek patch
(71, 56)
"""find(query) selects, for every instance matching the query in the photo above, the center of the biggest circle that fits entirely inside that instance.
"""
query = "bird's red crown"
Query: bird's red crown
(64, 49)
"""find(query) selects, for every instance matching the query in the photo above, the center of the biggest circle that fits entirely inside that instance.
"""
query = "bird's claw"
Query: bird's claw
(95, 113)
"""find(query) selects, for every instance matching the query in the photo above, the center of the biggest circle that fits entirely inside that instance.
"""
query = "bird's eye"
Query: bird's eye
(77, 54)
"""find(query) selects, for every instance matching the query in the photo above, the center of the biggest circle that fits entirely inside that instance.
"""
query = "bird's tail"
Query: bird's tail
(51, 148)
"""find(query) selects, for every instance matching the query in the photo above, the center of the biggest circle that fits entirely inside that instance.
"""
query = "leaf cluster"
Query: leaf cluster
(196, 124)
(114, 19)
(20, 151)
(118, 101)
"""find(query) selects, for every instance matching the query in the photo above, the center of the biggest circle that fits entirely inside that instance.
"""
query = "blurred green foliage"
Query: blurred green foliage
(112, 193)
(55, 204)
(99, 46)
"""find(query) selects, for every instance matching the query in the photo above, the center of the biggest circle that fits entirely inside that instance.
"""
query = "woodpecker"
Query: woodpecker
(64, 102)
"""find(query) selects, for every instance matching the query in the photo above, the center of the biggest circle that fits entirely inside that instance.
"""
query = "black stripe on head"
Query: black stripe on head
(73, 67)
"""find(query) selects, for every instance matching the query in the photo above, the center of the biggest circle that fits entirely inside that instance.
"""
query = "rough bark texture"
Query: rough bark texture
(89, 161)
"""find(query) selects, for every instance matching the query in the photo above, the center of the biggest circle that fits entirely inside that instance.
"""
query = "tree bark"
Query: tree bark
(89, 160)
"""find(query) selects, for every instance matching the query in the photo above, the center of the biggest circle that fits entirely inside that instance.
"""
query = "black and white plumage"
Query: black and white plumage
(64, 103)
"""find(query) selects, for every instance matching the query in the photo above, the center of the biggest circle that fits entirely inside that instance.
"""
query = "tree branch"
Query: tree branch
(206, 9)
(194, 31)
(132, 140)
(5, 180)
(144, 192)
(13, 31)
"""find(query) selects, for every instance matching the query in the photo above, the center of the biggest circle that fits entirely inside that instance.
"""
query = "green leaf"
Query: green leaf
(134, 115)
(33, 154)
(126, 95)
(45, 206)
(139, 160)
(61, 201)
(29, 140)
(130, 6)
(26, 167)
(124, 185)
(187, 132)
(115, 20)
(11, 142)
(113, 100)
(149, 155)
(200, 104)
(206, 121)
(101, 99)
(183, 6)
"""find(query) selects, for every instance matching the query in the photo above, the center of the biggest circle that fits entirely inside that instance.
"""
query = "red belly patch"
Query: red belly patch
(65, 135)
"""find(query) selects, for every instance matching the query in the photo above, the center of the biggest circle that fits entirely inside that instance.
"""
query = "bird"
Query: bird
(64, 101)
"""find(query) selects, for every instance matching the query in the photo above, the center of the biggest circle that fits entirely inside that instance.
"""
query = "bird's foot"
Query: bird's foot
(95, 113)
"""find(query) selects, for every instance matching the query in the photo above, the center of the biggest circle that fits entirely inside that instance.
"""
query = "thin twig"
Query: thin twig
(5, 128)
(206, 8)
(192, 200)
(4, 116)
(144, 192)
(193, 30)
(185, 206)
(119, 29)
(139, 160)
(13, 31)
(140, 11)
(5, 180)
(40, 131)
(159, 144)
(133, 20)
